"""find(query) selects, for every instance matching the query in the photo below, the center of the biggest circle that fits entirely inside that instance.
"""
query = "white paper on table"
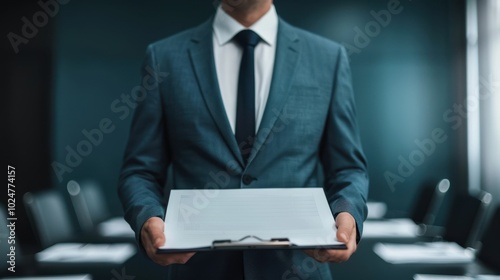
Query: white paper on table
(115, 227)
(86, 253)
(487, 277)
(454, 277)
(196, 218)
(376, 210)
(392, 228)
(441, 277)
(431, 252)
(55, 277)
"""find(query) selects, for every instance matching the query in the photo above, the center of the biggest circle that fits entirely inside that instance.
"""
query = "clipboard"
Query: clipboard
(259, 244)
(249, 219)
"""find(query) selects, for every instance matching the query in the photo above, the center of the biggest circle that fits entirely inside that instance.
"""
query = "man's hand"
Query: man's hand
(346, 232)
(152, 238)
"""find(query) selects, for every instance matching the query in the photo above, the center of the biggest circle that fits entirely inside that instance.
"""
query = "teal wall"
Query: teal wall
(405, 79)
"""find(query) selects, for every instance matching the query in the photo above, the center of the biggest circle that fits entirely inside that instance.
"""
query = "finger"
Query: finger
(335, 256)
(174, 258)
(345, 225)
(324, 256)
(154, 230)
(185, 257)
(320, 255)
(152, 236)
(344, 255)
(346, 233)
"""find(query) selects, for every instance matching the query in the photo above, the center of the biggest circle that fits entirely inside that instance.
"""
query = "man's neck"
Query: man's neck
(247, 15)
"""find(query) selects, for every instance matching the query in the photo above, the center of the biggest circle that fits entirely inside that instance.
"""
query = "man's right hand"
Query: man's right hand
(152, 238)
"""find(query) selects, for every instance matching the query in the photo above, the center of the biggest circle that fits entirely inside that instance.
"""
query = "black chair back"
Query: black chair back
(49, 217)
(465, 217)
(88, 202)
(429, 202)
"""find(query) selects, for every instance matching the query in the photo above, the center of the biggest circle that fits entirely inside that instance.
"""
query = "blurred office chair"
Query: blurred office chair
(419, 223)
(427, 207)
(460, 234)
(93, 214)
(49, 217)
(24, 267)
(429, 202)
(88, 203)
(489, 253)
(63, 249)
(465, 217)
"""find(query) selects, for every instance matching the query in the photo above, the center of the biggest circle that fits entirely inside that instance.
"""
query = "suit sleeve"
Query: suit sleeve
(345, 166)
(146, 158)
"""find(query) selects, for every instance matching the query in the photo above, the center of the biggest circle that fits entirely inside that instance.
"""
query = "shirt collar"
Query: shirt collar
(225, 27)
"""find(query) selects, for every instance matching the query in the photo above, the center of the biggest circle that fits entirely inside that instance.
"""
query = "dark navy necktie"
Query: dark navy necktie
(245, 110)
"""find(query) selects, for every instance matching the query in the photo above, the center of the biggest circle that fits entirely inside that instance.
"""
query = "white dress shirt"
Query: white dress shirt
(228, 53)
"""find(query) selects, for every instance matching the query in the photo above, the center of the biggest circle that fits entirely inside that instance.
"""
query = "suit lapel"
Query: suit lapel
(202, 59)
(287, 54)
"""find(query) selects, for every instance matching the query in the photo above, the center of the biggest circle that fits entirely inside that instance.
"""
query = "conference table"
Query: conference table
(366, 264)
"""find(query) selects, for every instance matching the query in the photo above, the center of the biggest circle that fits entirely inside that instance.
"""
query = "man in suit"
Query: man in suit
(249, 102)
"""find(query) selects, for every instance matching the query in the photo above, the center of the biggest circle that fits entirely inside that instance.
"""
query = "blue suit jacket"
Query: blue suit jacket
(308, 137)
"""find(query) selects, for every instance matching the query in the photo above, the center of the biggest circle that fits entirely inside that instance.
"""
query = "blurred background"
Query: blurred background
(426, 78)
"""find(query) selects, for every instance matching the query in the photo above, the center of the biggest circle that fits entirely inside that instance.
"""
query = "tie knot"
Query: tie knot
(247, 38)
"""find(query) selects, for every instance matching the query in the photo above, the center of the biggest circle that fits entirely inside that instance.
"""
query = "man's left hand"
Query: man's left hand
(346, 233)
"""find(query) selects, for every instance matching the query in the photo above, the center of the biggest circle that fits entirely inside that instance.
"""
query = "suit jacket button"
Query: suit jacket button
(247, 179)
